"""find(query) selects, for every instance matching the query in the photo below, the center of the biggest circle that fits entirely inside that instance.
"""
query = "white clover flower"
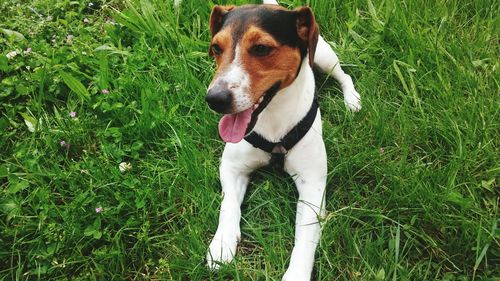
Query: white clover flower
(11, 55)
(124, 167)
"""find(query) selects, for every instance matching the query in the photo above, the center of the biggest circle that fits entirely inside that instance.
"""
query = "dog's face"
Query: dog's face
(256, 48)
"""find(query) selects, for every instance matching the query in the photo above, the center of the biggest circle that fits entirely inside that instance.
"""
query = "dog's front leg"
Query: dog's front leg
(309, 170)
(307, 228)
(238, 161)
(223, 246)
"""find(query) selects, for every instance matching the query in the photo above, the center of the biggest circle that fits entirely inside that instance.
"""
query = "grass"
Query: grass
(413, 178)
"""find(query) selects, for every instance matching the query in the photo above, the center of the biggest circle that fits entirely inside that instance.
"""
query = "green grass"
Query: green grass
(413, 178)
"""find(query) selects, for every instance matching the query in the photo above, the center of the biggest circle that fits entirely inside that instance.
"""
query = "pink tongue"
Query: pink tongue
(232, 127)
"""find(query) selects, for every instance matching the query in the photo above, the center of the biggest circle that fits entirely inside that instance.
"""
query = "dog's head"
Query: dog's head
(258, 49)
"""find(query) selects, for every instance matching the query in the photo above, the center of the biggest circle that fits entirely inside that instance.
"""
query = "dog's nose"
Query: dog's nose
(220, 100)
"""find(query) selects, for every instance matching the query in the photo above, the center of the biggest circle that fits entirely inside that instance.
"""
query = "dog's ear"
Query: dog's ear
(217, 20)
(217, 17)
(308, 30)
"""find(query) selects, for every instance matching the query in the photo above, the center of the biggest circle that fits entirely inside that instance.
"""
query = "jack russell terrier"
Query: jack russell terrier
(264, 85)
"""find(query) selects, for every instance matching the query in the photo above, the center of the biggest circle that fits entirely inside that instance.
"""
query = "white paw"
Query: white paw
(352, 99)
(296, 275)
(221, 251)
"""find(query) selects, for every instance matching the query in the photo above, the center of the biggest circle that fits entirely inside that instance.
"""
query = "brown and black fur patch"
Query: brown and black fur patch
(287, 27)
(281, 65)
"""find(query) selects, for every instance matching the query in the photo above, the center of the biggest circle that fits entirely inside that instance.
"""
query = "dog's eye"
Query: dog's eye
(216, 49)
(260, 50)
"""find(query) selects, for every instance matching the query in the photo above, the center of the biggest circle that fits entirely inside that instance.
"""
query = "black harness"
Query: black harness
(278, 150)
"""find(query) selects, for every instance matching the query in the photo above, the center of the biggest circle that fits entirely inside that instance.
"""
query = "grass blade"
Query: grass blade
(75, 85)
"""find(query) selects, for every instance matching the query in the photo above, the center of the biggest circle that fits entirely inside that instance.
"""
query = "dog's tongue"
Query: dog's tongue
(232, 127)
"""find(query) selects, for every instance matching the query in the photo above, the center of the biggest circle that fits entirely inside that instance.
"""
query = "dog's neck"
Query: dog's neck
(288, 106)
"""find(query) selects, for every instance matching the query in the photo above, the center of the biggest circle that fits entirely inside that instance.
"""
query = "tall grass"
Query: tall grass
(412, 183)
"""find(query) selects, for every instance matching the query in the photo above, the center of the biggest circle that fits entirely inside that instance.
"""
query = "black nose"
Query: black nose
(219, 100)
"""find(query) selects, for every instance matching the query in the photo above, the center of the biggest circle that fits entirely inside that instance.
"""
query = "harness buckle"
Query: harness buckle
(279, 148)
(278, 156)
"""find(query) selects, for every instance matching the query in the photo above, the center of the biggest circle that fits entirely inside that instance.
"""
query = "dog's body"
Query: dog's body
(239, 90)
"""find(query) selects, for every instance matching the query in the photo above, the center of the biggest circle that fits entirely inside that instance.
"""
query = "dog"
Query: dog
(264, 85)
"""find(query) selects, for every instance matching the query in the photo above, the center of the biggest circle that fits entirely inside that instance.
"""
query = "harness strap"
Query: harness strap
(260, 142)
(288, 141)
(301, 129)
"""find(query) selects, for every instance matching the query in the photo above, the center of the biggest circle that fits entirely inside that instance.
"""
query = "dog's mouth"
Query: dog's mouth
(234, 127)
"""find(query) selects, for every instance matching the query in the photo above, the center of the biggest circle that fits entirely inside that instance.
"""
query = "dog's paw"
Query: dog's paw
(296, 275)
(352, 99)
(221, 251)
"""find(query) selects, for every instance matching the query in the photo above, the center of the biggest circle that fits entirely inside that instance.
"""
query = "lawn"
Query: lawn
(86, 85)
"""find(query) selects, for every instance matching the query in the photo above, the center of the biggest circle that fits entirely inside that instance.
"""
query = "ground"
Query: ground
(84, 86)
